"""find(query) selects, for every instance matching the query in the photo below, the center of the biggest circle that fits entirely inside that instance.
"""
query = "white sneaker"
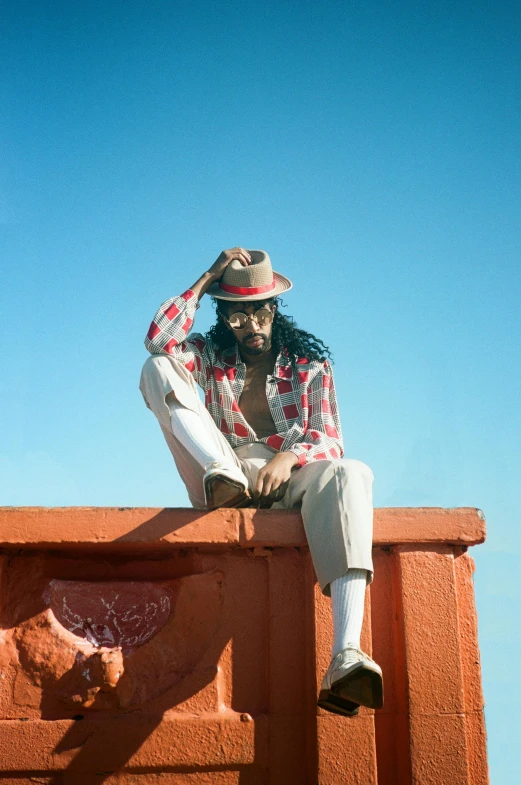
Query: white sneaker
(225, 486)
(353, 679)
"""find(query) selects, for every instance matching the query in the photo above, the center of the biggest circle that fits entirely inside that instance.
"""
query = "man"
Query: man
(268, 434)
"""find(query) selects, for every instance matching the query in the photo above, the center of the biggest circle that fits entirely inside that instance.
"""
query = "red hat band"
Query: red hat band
(247, 290)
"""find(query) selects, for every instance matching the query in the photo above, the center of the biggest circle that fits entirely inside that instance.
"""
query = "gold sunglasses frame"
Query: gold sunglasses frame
(252, 316)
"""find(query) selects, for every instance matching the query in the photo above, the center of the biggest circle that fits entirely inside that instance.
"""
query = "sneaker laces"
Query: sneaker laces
(351, 654)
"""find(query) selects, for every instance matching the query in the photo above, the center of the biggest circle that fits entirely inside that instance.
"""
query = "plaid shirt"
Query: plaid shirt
(301, 393)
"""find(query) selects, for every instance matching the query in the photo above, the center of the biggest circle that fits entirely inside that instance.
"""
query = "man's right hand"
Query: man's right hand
(215, 272)
(224, 259)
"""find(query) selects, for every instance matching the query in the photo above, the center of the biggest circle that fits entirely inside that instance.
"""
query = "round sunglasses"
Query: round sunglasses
(239, 320)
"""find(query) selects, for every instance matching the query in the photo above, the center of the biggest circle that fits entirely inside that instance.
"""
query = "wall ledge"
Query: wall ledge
(131, 528)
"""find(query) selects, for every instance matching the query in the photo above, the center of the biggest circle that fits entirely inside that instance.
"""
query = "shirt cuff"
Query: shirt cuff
(301, 451)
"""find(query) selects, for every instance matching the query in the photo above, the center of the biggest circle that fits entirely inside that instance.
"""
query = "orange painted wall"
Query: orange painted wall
(183, 647)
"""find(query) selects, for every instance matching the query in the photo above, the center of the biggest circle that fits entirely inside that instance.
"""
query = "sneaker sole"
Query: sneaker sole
(361, 685)
(239, 497)
(327, 700)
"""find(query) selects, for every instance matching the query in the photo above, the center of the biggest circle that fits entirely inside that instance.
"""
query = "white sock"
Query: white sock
(347, 601)
(189, 430)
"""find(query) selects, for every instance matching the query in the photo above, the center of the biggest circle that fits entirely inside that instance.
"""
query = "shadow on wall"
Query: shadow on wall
(94, 650)
(151, 653)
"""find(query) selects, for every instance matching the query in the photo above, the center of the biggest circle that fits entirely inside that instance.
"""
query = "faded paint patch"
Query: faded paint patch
(112, 613)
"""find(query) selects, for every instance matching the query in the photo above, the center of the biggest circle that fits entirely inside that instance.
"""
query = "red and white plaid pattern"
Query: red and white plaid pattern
(301, 395)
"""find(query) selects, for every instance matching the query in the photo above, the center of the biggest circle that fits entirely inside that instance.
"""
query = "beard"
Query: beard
(263, 347)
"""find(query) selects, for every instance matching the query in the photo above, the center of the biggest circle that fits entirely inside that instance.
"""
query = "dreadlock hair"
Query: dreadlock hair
(286, 337)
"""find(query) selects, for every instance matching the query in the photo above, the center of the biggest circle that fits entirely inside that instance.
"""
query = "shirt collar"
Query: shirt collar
(283, 366)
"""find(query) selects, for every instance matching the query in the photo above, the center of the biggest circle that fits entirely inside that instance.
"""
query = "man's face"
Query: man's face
(253, 338)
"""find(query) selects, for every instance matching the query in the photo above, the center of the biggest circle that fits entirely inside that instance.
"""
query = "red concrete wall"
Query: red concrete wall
(177, 646)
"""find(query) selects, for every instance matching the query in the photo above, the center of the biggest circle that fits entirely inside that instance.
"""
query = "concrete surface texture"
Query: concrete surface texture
(183, 647)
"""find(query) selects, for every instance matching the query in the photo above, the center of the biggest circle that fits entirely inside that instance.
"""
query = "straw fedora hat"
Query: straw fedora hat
(256, 281)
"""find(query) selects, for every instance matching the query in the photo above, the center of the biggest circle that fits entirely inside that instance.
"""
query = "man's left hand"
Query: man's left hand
(273, 478)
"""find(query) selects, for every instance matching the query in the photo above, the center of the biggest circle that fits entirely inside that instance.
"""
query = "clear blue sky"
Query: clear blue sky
(372, 149)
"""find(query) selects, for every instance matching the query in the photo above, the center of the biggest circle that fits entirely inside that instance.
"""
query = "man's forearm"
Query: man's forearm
(201, 286)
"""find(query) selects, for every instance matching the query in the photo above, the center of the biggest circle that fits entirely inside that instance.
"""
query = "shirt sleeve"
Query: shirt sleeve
(169, 334)
(322, 439)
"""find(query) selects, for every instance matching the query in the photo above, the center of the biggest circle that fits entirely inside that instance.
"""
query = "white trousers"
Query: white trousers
(335, 496)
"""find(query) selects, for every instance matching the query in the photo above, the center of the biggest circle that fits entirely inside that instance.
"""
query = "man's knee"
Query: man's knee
(353, 468)
(153, 383)
(161, 372)
(347, 467)
(155, 364)
(164, 379)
